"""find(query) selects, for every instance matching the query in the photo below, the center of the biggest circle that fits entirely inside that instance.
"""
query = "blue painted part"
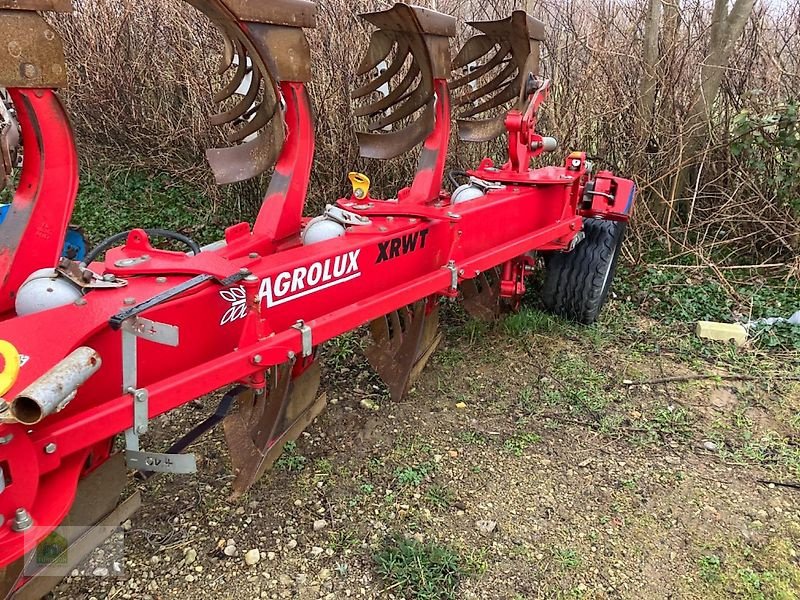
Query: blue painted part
(75, 246)
(630, 200)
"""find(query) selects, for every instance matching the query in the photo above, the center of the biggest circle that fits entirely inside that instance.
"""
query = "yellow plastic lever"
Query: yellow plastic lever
(360, 183)
(10, 372)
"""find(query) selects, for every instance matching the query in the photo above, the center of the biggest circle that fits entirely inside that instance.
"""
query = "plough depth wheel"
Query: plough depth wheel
(577, 283)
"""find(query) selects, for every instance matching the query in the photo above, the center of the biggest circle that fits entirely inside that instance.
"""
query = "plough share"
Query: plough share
(94, 349)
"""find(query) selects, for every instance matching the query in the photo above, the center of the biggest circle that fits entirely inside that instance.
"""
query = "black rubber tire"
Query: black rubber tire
(577, 283)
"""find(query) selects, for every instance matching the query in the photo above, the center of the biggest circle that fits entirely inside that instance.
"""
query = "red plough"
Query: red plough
(94, 350)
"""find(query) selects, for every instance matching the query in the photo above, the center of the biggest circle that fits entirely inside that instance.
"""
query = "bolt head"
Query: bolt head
(161, 280)
(257, 359)
(141, 429)
(50, 448)
(22, 520)
(129, 301)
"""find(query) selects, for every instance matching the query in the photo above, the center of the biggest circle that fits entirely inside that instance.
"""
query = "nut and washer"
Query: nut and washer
(22, 521)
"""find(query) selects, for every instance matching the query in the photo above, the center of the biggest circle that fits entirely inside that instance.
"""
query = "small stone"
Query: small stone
(229, 550)
(672, 460)
(452, 453)
(461, 405)
(100, 572)
(190, 556)
(486, 527)
(189, 578)
(710, 446)
(316, 551)
(286, 580)
(369, 404)
(127, 525)
(252, 557)
(320, 524)
(291, 544)
(270, 556)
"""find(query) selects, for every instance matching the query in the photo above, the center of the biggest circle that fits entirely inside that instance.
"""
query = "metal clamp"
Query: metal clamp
(579, 237)
(305, 333)
(451, 266)
(345, 217)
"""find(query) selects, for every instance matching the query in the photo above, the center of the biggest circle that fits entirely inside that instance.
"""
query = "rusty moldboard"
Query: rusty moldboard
(481, 295)
(403, 31)
(509, 49)
(272, 47)
(264, 422)
(402, 342)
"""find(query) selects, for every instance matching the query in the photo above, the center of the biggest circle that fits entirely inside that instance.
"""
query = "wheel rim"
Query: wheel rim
(607, 276)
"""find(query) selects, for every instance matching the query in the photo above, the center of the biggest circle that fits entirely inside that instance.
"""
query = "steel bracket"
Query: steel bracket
(159, 333)
(305, 333)
(451, 266)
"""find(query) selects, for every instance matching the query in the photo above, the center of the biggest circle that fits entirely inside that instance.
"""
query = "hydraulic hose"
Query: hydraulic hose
(118, 237)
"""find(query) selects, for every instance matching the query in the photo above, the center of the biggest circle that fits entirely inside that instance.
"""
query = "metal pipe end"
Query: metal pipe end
(26, 410)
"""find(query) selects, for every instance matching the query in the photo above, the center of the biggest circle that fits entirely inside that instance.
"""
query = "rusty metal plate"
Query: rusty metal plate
(413, 19)
(481, 295)
(42, 5)
(31, 52)
(265, 422)
(294, 13)
(285, 51)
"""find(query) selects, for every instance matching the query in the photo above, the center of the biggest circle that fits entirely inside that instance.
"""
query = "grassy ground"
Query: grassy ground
(533, 459)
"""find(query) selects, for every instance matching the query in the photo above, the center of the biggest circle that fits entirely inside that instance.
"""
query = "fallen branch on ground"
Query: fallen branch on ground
(682, 378)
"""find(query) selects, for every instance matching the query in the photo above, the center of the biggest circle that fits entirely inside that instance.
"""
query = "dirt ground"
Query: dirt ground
(548, 457)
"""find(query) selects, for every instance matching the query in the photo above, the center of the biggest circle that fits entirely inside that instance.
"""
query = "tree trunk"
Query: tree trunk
(647, 90)
(726, 29)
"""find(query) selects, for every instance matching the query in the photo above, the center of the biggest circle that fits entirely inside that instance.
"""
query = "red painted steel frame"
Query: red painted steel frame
(34, 230)
(415, 247)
